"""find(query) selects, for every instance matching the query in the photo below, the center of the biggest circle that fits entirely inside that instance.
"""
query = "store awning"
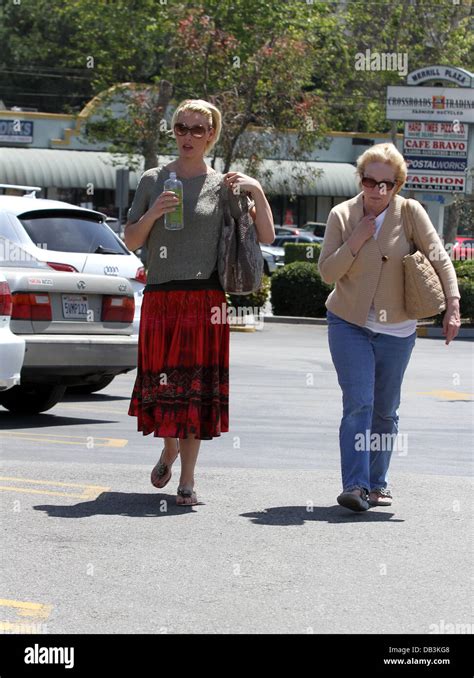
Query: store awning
(50, 168)
(77, 169)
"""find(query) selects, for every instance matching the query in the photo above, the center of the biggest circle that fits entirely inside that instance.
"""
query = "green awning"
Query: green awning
(77, 169)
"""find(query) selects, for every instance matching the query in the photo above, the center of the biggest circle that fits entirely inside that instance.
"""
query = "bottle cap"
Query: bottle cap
(172, 175)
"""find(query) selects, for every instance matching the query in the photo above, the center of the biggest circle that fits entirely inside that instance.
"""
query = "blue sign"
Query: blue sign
(17, 131)
(427, 164)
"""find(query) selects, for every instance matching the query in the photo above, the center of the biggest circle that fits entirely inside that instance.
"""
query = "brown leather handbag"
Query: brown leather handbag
(240, 259)
(424, 296)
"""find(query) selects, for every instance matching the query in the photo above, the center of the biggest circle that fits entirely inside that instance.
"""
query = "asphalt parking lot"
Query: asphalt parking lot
(268, 549)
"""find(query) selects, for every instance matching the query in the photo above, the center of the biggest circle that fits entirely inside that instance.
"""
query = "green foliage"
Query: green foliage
(299, 251)
(297, 290)
(257, 299)
(464, 269)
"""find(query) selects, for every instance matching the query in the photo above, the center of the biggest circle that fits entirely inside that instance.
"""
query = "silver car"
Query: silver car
(77, 331)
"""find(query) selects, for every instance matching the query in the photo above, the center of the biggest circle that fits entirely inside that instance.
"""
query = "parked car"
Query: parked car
(273, 258)
(463, 249)
(77, 330)
(280, 240)
(287, 230)
(317, 228)
(70, 238)
(12, 348)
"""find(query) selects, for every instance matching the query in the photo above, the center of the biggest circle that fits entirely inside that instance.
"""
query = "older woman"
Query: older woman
(370, 336)
(182, 386)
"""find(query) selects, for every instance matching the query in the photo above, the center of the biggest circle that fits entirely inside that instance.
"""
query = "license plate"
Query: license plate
(75, 306)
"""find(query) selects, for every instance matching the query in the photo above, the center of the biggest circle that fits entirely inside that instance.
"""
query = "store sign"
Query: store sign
(444, 147)
(436, 130)
(458, 76)
(430, 103)
(436, 164)
(425, 181)
(435, 152)
(16, 131)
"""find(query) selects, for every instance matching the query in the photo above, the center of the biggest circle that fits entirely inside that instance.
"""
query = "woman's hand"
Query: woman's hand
(452, 319)
(261, 212)
(165, 202)
(364, 230)
(242, 181)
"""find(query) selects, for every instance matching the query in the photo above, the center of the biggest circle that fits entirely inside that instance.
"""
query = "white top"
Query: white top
(403, 329)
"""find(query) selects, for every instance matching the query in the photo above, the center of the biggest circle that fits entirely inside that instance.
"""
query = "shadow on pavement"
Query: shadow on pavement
(12, 421)
(136, 505)
(298, 515)
(129, 504)
(91, 398)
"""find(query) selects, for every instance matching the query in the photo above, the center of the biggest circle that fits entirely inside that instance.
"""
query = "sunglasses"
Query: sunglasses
(197, 131)
(382, 185)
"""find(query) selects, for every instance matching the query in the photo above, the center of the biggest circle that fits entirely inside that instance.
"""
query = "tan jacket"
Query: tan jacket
(375, 273)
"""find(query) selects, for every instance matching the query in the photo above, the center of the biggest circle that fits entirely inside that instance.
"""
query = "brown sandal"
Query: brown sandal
(161, 473)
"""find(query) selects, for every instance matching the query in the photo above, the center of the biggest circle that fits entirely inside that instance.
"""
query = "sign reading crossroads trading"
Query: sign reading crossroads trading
(430, 103)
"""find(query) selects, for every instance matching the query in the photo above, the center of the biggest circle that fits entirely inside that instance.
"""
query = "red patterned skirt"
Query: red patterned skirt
(182, 383)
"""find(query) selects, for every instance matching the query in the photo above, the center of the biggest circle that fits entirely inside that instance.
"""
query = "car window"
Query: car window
(70, 231)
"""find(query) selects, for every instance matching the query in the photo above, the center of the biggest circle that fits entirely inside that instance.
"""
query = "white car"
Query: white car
(71, 329)
(69, 238)
(274, 257)
(12, 348)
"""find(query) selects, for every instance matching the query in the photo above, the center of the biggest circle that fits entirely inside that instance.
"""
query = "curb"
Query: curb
(421, 331)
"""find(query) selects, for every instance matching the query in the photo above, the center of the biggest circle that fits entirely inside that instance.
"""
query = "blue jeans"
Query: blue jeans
(370, 368)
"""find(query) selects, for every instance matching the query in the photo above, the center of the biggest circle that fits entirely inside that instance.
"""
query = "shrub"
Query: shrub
(302, 251)
(297, 290)
(464, 269)
(255, 300)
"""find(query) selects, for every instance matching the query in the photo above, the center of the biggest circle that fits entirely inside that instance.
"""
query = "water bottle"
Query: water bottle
(174, 220)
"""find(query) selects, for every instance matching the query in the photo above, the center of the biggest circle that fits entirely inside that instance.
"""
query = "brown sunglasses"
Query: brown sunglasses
(197, 131)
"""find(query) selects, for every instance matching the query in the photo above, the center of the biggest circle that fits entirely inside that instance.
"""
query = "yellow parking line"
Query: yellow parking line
(27, 609)
(65, 439)
(36, 612)
(448, 395)
(89, 491)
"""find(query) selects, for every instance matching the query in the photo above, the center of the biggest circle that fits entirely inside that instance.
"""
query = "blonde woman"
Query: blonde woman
(370, 336)
(182, 386)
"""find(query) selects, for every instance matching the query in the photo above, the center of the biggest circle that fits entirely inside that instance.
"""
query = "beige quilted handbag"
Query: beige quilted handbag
(424, 296)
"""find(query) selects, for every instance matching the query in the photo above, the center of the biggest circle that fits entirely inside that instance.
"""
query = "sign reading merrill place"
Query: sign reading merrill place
(430, 103)
(458, 76)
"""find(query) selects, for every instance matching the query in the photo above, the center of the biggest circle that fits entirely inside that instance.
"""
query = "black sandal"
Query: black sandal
(186, 493)
(161, 473)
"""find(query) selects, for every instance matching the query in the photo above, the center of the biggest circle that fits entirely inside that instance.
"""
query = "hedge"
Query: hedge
(302, 251)
(255, 300)
(297, 290)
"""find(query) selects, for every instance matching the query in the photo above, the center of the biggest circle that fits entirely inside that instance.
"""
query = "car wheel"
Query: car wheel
(32, 398)
(86, 389)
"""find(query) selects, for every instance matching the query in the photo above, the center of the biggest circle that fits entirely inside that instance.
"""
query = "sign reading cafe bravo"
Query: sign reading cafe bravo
(435, 142)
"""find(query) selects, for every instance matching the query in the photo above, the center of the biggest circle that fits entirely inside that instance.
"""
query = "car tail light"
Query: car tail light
(140, 275)
(62, 267)
(118, 309)
(31, 306)
(5, 299)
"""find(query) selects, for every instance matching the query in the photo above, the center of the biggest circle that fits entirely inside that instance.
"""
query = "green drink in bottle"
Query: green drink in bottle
(174, 220)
